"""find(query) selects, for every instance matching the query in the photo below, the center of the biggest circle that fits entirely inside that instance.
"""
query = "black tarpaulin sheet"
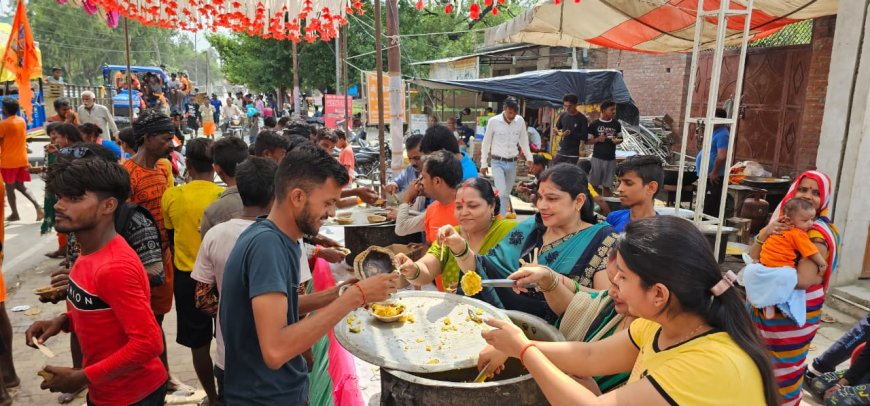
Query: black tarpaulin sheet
(592, 86)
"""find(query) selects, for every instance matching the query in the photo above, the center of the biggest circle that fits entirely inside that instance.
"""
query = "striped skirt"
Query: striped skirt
(788, 343)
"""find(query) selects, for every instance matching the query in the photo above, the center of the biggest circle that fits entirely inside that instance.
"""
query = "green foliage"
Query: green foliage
(244, 62)
(81, 43)
(261, 64)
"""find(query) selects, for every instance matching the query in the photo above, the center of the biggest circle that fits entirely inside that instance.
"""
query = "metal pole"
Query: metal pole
(379, 67)
(344, 67)
(129, 74)
(710, 118)
(732, 134)
(690, 89)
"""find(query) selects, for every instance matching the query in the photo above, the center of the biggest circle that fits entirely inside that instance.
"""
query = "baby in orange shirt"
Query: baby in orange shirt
(782, 250)
(775, 281)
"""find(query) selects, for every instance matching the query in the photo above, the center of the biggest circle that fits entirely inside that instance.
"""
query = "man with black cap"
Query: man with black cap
(148, 183)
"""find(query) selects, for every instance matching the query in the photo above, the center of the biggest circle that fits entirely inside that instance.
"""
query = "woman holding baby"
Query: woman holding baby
(788, 340)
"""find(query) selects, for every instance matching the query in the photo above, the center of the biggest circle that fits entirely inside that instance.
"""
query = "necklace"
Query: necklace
(560, 240)
(690, 335)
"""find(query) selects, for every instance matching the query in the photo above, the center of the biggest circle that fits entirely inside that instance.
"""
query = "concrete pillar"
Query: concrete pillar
(842, 154)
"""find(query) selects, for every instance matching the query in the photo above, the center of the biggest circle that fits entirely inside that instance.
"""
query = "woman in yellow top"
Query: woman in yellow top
(477, 207)
(693, 344)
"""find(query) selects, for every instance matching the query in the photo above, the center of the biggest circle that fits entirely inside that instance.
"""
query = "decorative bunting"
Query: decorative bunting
(293, 20)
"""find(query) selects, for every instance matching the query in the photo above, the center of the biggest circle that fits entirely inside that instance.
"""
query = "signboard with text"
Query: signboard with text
(372, 86)
(334, 110)
(462, 69)
(419, 123)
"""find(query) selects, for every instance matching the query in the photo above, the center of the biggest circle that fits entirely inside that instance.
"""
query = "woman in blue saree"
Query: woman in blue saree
(563, 237)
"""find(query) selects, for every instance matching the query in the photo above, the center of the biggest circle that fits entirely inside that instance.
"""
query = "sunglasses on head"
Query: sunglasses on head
(75, 152)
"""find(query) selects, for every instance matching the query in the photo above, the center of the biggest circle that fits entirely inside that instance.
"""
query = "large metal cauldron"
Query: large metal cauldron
(514, 386)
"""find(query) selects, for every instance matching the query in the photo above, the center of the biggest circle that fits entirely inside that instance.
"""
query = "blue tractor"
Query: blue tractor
(121, 97)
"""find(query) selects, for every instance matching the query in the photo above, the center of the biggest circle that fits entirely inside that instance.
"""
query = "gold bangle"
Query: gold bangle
(556, 278)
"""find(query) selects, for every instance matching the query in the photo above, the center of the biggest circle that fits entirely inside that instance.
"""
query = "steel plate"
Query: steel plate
(359, 216)
(402, 346)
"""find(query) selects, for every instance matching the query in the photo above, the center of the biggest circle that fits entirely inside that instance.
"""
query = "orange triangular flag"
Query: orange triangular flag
(21, 59)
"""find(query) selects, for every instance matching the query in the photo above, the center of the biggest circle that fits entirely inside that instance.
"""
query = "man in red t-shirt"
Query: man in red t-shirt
(345, 157)
(441, 176)
(108, 298)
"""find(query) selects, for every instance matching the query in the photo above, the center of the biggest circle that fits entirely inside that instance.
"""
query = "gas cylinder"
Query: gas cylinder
(756, 209)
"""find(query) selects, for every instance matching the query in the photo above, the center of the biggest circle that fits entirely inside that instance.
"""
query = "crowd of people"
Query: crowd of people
(647, 315)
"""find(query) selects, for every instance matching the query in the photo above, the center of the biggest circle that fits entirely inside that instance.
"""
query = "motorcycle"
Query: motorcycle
(367, 159)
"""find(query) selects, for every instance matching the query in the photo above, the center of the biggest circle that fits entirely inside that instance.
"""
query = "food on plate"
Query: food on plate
(374, 218)
(471, 283)
(428, 348)
(407, 318)
(344, 220)
(434, 361)
(387, 312)
(353, 324)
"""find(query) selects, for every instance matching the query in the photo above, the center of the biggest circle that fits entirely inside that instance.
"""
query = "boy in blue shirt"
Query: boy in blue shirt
(639, 180)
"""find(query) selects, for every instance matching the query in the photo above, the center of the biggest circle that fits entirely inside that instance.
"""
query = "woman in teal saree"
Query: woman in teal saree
(563, 237)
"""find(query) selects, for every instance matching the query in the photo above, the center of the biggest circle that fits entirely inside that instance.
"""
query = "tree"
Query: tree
(261, 64)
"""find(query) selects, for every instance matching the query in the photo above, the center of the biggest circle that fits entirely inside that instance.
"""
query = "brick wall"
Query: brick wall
(657, 81)
(817, 86)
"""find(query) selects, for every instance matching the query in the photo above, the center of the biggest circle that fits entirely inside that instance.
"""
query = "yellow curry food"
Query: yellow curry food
(388, 310)
(471, 283)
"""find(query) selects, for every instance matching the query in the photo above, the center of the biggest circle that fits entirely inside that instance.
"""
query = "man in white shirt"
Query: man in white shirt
(230, 112)
(91, 112)
(504, 133)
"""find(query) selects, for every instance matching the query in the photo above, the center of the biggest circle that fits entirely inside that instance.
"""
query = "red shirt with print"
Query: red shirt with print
(108, 306)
